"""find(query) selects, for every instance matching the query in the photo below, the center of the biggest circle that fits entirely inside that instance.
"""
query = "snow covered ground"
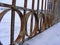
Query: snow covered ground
(49, 37)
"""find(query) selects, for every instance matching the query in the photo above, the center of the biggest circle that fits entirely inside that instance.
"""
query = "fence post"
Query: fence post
(12, 23)
(25, 6)
(32, 17)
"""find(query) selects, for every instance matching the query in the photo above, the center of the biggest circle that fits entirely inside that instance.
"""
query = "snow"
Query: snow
(49, 37)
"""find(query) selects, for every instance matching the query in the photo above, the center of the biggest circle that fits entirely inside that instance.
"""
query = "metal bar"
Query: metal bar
(38, 6)
(45, 13)
(42, 17)
(3, 13)
(25, 6)
(18, 7)
(55, 1)
(50, 5)
(42, 6)
(38, 12)
(12, 23)
(32, 17)
(45, 5)
(33, 4)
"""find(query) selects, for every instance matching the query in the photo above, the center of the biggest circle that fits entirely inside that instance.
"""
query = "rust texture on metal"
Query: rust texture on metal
(46, 19)
(25, 6)
(12, 22)
(32, 17)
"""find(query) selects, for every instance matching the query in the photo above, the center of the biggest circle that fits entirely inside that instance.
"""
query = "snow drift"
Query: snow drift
(49, 37)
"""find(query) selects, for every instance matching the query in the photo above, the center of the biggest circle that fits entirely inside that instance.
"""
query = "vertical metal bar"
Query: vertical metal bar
(38, 11)
(38, 6)
(42, 24)
(12, 22)
(32, 17)
(50, 4)
(25, 6)
(54, 3)
(33, 4)
(45, 13)
(42, 6)
(45, 5)
(41, 15)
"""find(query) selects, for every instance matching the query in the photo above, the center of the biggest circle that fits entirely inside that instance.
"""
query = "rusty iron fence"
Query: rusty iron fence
(45, 15)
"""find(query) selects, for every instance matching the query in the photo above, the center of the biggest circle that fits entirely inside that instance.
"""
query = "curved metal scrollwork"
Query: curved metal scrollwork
(3, 13)
(45, 22)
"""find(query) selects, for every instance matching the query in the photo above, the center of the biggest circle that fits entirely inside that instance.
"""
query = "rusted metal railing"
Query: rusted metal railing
(46, 19)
